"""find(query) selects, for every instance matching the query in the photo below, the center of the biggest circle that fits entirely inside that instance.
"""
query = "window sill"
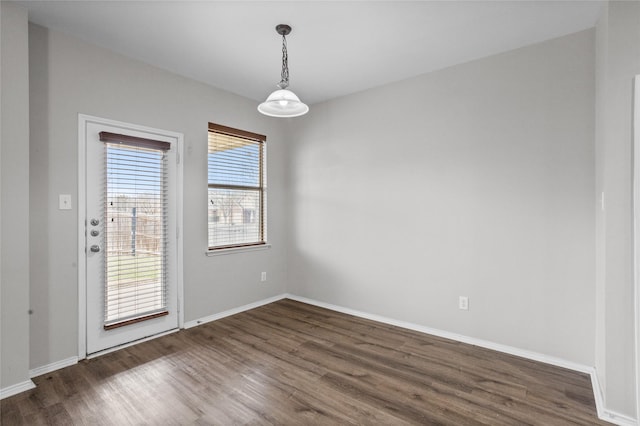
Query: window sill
(233, 250)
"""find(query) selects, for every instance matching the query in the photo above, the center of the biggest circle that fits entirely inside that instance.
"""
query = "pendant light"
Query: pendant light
(283, 102)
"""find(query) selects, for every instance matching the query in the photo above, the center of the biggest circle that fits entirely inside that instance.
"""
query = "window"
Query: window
(237, 188)
(135, 237)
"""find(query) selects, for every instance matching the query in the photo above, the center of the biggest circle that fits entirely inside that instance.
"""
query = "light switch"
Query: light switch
(64, 201)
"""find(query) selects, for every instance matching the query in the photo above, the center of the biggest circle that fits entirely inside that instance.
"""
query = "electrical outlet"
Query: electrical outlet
(263, 276)
(463, 303)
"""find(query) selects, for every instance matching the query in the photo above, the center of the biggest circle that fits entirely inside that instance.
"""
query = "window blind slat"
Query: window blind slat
(136, 208)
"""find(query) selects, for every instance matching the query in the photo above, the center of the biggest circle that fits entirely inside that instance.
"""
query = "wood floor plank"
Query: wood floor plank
(289, 363)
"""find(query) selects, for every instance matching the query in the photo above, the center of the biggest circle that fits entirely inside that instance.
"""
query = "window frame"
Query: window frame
(261, 188)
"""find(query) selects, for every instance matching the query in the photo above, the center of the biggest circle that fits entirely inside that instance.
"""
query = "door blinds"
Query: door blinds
(135, 231)
(237, 188)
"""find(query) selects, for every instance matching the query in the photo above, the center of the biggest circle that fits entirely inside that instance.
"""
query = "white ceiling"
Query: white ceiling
(335, 48)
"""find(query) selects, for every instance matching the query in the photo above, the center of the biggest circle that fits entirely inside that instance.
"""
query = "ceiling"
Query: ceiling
(336, 47)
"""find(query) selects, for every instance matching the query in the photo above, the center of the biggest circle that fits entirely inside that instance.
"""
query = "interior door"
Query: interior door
(131, 232)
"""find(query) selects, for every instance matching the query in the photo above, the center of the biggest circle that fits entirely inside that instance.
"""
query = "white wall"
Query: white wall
(476, 180)
(69, 76)
(14, 211)
(618, 61)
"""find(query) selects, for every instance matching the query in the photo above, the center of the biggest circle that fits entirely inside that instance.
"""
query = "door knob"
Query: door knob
(95, 248)
(94, 222)
(95, 233)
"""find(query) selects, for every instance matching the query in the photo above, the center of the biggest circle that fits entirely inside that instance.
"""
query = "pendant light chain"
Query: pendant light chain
(284, 75)
(283, 102)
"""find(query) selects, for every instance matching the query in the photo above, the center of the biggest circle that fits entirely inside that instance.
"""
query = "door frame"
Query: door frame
(635, 131)
(83, 121)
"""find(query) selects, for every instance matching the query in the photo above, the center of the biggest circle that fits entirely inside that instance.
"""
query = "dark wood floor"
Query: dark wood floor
(289, 363)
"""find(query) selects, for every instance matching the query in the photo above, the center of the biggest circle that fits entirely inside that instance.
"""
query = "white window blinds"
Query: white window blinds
(136, 206)
(237, 188)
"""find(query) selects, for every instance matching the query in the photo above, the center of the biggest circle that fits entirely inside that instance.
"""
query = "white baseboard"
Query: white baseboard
(233, 311)
(603, 414)
(598, 395)
(16, 389)
(535, 356)
(39, 371)
(617, 418)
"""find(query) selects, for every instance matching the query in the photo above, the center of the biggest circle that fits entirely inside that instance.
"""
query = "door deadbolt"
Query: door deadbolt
(94, 222)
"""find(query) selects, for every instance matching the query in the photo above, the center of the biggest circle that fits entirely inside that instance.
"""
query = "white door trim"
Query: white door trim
(636, 232)
(83, 120)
